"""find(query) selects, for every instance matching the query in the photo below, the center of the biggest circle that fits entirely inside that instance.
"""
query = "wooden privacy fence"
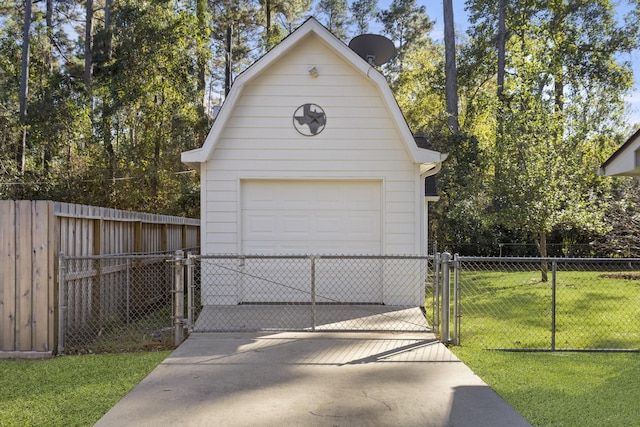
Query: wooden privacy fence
(34, 233)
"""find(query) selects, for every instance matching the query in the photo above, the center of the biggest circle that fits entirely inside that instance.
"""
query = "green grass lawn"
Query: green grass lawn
(70, 390)
(563, 389)
(501, 309)
(594, 309)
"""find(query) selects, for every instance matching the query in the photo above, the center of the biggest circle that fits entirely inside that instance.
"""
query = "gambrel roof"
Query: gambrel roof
(429, 160)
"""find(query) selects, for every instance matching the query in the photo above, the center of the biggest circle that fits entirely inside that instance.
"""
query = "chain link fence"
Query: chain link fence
(115, 303)
(137, 302)
(546, 303)
(345, 293)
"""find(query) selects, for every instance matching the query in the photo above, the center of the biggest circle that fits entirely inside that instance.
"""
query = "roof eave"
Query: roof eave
(620, 150)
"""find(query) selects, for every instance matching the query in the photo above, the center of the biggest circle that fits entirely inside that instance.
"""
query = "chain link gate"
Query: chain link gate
(115, 303)
(311, 293)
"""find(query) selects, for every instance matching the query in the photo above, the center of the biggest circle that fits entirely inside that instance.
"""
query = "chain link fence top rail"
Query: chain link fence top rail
(233, 293)
(115, 303)
(548, 303)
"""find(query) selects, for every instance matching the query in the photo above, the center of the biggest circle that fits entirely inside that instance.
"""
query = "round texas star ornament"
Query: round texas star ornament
(309, 119)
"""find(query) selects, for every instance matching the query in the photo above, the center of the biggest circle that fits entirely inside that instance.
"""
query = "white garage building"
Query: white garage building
(310, 154)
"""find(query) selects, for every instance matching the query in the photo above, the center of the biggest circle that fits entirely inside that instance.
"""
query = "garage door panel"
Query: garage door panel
(295, 225)
(281, 248)
(261, 224)
(367, 224)
(328, 226)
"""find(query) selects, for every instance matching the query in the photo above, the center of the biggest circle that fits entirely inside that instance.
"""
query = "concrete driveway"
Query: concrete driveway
(312, 379)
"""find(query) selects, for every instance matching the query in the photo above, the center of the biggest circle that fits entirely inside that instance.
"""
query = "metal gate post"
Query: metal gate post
(128, 296)
(554, 269)
(190, 292)
(178, 286)
(62, 303)
(446, 299)
(313, 293)
(436, 286)
(456, 300)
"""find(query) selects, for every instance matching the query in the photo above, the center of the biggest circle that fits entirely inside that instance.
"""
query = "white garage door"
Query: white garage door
(312, 217)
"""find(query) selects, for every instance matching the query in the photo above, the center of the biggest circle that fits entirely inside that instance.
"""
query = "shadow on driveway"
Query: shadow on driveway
(312, 379)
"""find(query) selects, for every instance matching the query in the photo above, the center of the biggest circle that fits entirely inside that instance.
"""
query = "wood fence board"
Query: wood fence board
(23, 275)
(42, 275)
(77, 232)
(8, 276)
(87, 232)
(53, 278)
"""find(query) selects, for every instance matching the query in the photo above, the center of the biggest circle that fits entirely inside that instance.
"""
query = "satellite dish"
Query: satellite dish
(374, 49)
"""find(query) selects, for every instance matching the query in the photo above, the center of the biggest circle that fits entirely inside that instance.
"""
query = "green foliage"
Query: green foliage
(522, 166)
(407, 24)
(148, 106)
(363, 12)
(335, 13)
(118, 142)
(560, 115)
(621, 221)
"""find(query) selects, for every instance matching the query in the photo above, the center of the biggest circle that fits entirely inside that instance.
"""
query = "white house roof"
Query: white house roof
(625, 161)
(429, 160)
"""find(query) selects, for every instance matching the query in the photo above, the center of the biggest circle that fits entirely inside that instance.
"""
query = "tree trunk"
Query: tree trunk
(88, 35)
(227, 69)
(502, 41)
(46, 155)
(49, 22)
(107, 142)
(267, 12)
(201, 7)
(542, 249)
(559, 92)
(501, 108)
(107, 28)
(451, 74)
(24, 93)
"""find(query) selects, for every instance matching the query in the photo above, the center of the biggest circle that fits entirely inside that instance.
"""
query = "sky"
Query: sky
(434, 10)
